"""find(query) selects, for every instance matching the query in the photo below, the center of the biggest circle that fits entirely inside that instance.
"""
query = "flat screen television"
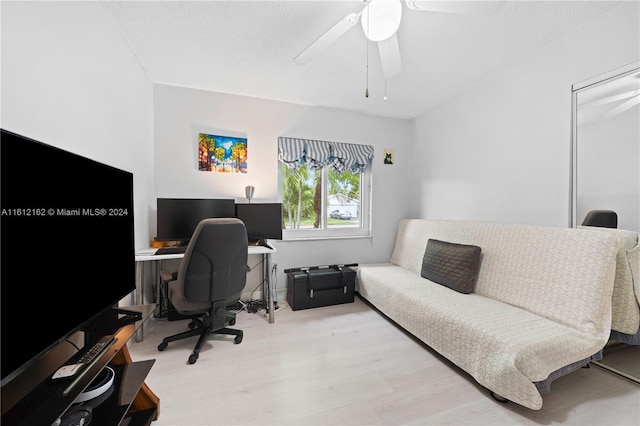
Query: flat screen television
(177, 218)
(262, 220)
(58, 212)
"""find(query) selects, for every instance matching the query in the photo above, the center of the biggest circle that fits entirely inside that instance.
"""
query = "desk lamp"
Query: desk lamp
(249, 190)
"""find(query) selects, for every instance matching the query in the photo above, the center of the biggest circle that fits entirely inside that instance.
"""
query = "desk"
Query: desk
(148, 255)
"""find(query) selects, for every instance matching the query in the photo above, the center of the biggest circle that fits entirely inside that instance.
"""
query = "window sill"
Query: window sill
(323, 238)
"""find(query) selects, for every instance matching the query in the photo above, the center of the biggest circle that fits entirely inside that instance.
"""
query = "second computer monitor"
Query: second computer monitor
(178, 217)
(262, 220)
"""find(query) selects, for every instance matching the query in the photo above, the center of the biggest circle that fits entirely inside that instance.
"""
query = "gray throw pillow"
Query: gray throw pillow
(453, 265)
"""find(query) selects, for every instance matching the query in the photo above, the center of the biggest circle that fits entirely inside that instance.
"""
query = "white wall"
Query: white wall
(501, 150)
(180, 114)
(70, 80)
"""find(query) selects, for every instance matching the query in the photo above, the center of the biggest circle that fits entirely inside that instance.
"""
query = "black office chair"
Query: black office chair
(210, 278)
(601, 218)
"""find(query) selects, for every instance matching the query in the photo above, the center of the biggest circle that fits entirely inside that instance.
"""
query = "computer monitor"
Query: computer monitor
(262, 220)
(177, 218)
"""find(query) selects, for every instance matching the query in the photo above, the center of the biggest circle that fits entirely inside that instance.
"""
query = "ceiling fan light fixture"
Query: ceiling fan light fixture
(381, 19)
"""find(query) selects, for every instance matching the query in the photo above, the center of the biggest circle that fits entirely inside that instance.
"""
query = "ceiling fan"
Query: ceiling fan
(380, 20)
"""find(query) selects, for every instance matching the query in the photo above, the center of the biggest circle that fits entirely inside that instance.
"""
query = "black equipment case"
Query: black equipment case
(316, 286)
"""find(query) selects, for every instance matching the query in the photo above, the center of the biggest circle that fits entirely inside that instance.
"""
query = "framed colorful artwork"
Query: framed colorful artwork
(223, 154)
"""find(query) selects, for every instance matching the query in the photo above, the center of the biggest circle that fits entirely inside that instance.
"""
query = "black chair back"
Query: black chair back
(214, 266)
(601, 218)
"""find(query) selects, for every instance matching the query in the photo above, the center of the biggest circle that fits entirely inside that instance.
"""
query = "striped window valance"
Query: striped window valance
(342, 157)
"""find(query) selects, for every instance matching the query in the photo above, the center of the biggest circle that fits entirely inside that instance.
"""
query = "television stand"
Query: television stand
(128, 316)
(130, 403)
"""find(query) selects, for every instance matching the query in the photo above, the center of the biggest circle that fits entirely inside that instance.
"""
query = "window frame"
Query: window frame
(338, 232)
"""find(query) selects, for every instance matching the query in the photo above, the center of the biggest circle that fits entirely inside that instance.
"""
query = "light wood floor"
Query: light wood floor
(349, 365)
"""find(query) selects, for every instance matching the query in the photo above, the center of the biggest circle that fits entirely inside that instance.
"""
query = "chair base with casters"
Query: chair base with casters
(203, 326)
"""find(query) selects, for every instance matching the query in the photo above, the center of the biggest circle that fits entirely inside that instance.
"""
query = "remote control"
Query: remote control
(89, 356)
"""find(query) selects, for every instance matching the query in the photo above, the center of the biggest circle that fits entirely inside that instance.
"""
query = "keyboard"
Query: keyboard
(172, 250)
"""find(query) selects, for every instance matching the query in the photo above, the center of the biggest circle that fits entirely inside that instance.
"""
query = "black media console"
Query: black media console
(34, 398)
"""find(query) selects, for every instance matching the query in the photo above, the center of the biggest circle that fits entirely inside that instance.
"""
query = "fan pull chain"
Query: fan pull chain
(366, 92)
(386, 48)
(385, 89)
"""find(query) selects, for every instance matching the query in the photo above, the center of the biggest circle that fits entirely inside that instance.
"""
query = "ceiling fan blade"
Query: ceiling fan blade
(482, 8)
(326, 39)
(390, 56)
(630, 103)
(613, 98)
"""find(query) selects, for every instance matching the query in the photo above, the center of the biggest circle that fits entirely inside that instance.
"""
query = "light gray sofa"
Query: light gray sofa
(541, 305)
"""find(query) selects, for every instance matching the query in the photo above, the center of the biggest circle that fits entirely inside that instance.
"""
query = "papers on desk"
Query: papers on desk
(149, 251)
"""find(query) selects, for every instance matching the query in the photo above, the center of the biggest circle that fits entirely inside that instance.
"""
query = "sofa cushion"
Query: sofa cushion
(453, 265)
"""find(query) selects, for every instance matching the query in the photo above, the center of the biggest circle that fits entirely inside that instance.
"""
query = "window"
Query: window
(325, 188)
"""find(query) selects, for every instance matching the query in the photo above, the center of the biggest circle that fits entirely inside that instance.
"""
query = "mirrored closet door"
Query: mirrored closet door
(606, 147)
(605, 170)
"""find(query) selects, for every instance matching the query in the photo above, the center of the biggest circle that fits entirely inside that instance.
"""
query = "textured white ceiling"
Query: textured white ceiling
(247, 48)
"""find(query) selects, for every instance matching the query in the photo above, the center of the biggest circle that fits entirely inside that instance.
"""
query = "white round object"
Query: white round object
(381, 19)
(100, 385)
